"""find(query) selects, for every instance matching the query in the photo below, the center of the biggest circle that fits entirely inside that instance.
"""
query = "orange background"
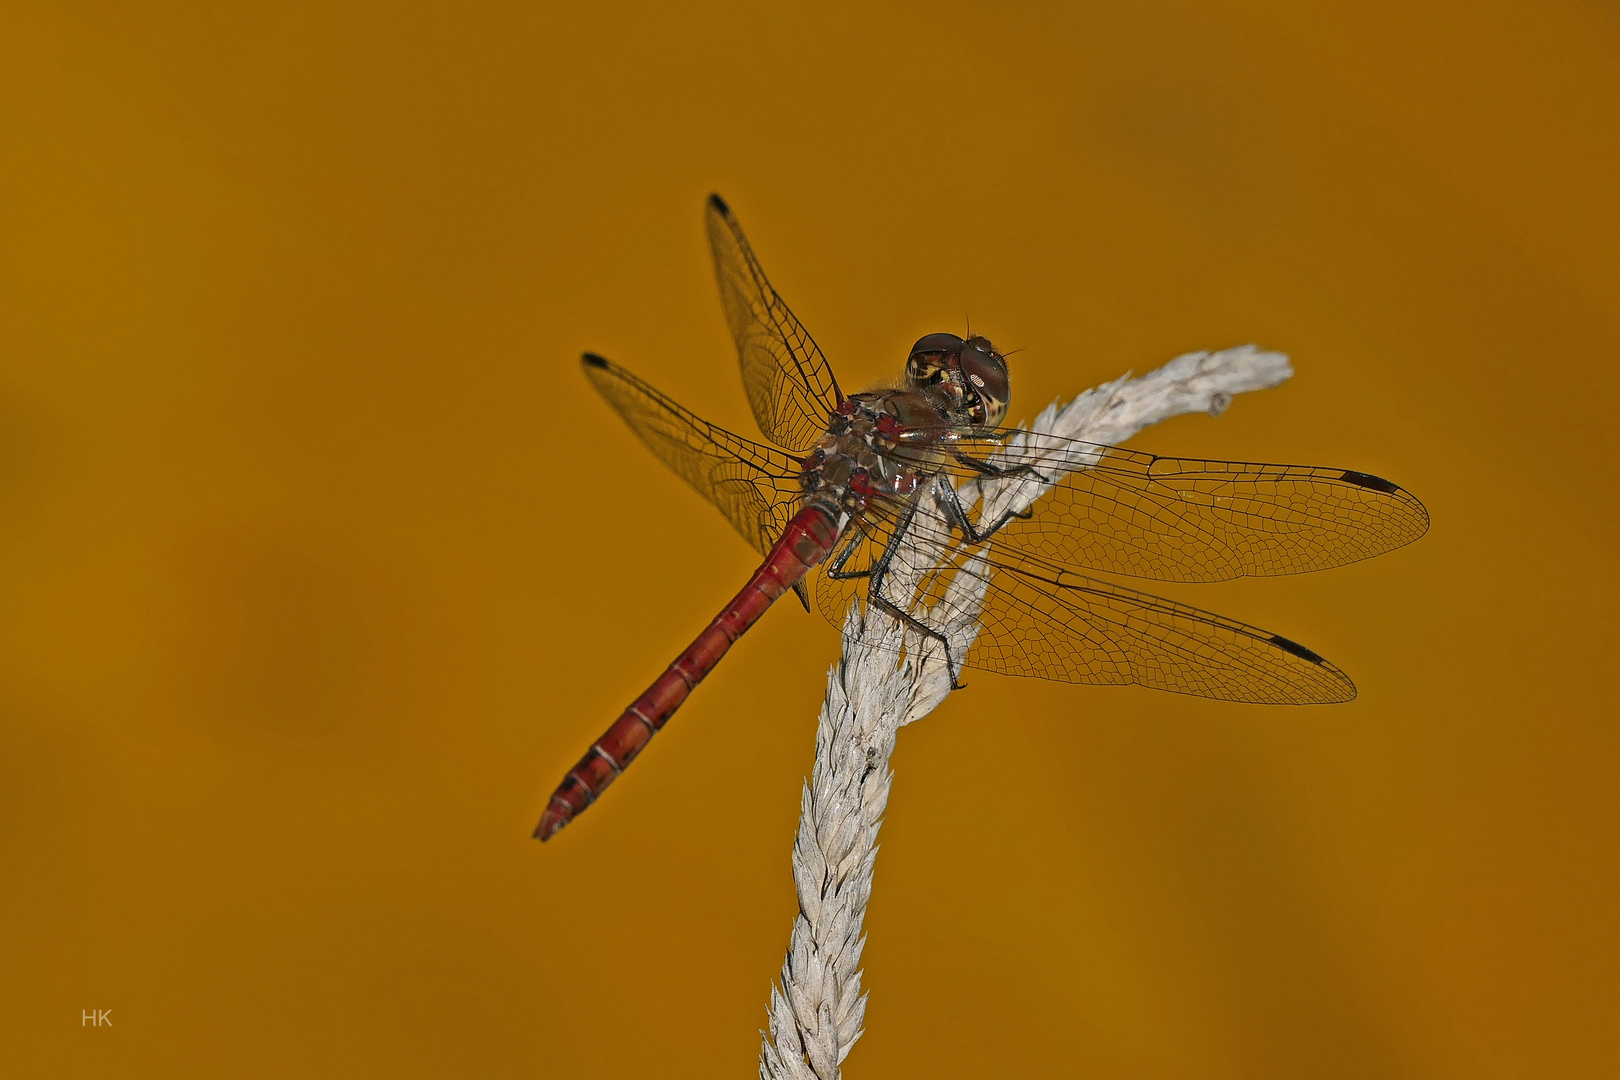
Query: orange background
(319, 561)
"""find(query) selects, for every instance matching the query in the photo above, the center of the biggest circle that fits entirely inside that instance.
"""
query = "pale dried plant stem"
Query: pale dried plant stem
(889, 677)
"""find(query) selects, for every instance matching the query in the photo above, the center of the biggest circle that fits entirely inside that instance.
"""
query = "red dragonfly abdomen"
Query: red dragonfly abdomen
(808, 538)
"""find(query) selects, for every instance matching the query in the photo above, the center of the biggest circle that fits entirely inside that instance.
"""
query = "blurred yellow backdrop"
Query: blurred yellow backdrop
(319, 562)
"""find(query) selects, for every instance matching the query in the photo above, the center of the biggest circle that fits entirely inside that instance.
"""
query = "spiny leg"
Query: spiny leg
(882, 603)
(957, 514)
(984, 468)
(953, 504)
(874, 593)
(835, 568)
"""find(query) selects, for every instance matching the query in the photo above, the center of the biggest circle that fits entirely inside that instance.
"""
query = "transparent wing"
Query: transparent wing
(789, 385)
(1043, 621)
(756, 487)
(1179, 519)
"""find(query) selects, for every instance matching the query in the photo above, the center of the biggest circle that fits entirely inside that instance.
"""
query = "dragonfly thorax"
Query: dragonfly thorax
(876, 445)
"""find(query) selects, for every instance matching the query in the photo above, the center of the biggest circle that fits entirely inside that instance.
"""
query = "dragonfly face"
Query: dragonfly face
(969, 377)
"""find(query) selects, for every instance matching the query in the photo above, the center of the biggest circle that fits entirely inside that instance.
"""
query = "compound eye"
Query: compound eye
(974, 358)
(986, 374)
(931, 360)
(937, 343)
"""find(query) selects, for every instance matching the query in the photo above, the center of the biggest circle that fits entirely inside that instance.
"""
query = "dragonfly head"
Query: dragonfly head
(969, 376)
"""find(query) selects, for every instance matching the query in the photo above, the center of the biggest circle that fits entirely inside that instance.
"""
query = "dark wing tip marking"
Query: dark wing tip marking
(1367, 480)
(719, 204)
(590, 359)
(1296, 648)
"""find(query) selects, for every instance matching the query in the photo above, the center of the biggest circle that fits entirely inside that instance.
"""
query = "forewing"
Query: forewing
(756, 487)
(1180, 519)
(789, 385)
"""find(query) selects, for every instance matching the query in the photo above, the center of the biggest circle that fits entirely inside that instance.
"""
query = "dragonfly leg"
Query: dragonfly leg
(835, 568)
(957, 515)
(952, 666)
(874, 595)
(984, 468)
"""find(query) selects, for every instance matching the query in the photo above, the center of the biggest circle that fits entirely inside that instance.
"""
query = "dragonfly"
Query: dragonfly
(848, 489)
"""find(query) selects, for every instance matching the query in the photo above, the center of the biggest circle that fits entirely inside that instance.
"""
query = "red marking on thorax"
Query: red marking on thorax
(860, 485)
